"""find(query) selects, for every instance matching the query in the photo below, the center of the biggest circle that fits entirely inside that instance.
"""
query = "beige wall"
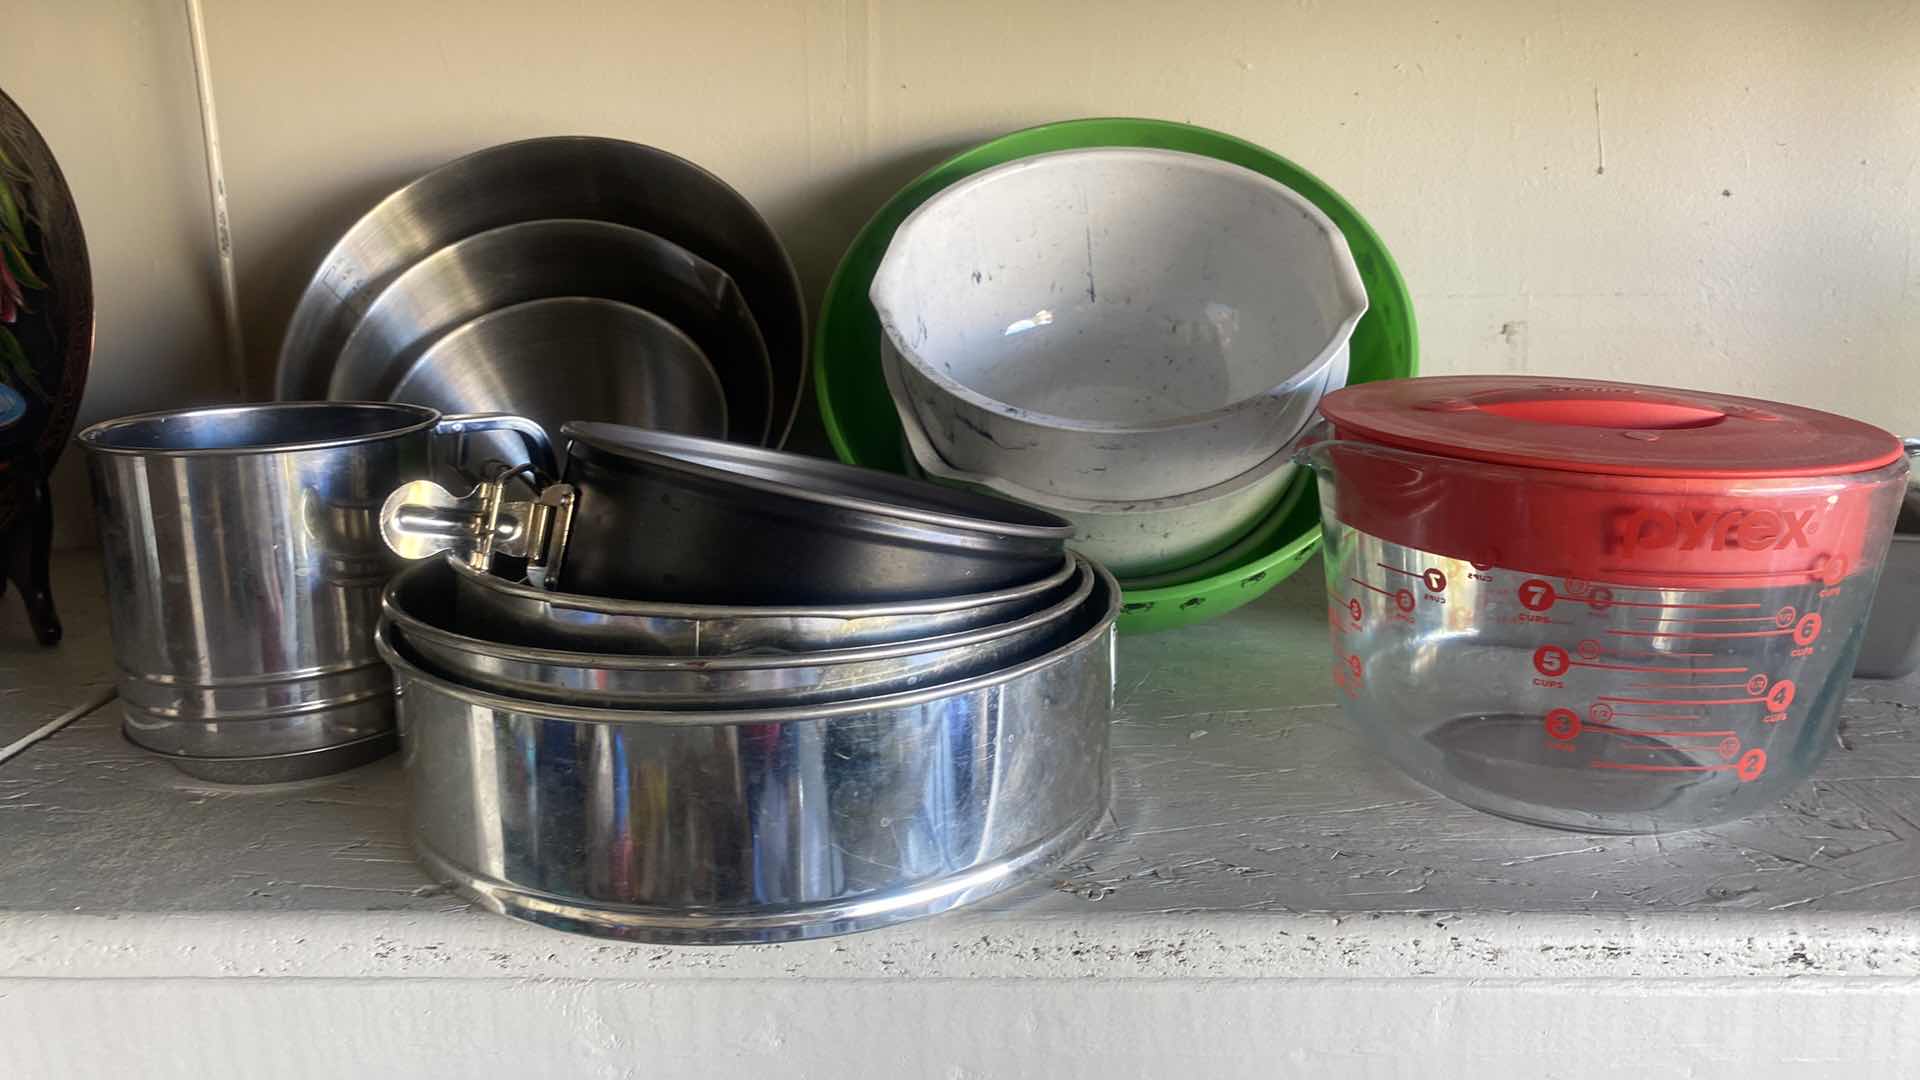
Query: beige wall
(1752, 229)
(110, 85)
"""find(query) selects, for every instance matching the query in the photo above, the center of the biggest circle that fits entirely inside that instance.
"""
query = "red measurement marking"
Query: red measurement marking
(1654, 715)
(1433, 579)
(1780, 696)
(1563, 724)
(1373, 588)
(1654, 588)
(1538, 595)
(1346, 674)
(1637, 767)
(1535, 595)
(1785, 616)
(1729, 748)
(1704, 618)
(1692, 686)
(1647, 654)
(1550, 660)
(1807, 629)
(1681, 607)
(1777, 575)
(1681, 701)
(1649, 667)
(1757, 684)
(1752, 764)
(1612, 730)
(1699, 633)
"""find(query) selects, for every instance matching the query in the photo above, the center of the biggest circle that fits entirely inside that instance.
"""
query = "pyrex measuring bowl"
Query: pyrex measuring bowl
(1630, 641)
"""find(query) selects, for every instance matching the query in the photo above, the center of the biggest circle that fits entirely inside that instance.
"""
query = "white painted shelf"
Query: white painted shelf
(1256, 855)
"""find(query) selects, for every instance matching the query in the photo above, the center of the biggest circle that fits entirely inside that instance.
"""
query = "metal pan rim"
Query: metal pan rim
(701, 612)
(604, 439)
(93, 438)
(1102, 629)
(412, 625)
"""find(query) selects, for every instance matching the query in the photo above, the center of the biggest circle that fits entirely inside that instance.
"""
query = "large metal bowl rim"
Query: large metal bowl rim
(414, 626)
(708, 613)
(730, 717)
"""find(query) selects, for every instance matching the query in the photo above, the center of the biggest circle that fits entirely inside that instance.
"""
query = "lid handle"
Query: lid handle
(1636, 411)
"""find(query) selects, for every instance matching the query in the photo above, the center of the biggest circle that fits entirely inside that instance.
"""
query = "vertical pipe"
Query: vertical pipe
(217, 191)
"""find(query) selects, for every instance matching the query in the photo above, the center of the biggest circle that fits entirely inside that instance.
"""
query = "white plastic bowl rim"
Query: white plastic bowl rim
(1346, 275)
(930, 461)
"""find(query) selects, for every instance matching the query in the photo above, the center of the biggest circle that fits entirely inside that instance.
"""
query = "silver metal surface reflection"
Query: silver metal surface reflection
(518, 613)
(761, 825)
(244, 566)
(421, 602)
(571, 358)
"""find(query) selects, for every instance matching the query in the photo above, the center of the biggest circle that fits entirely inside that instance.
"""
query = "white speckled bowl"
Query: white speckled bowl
(1116, 324)
(1130, 538)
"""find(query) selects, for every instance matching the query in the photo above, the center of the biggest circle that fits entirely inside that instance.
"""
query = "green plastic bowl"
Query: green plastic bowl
(864, 429)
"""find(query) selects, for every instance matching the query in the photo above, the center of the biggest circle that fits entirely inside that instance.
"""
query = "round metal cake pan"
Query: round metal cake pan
(762, 825)
(673, 518)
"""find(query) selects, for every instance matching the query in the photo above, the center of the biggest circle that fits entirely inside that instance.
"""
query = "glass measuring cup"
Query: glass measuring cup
(1595, 651)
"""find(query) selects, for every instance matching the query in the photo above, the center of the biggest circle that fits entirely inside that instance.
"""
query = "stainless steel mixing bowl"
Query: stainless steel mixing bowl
(587, 177)
(540, 259)
(571, 358)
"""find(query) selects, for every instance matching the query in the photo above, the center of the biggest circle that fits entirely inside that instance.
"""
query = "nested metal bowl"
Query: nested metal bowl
(675, 518)
(571, 358)
(421, 602)
(589, 177)
(763, 825)
(511, 612)
(537, 260)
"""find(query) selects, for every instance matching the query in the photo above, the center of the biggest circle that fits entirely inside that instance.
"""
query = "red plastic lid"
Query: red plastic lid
(1605, 482)
(1606, 428)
